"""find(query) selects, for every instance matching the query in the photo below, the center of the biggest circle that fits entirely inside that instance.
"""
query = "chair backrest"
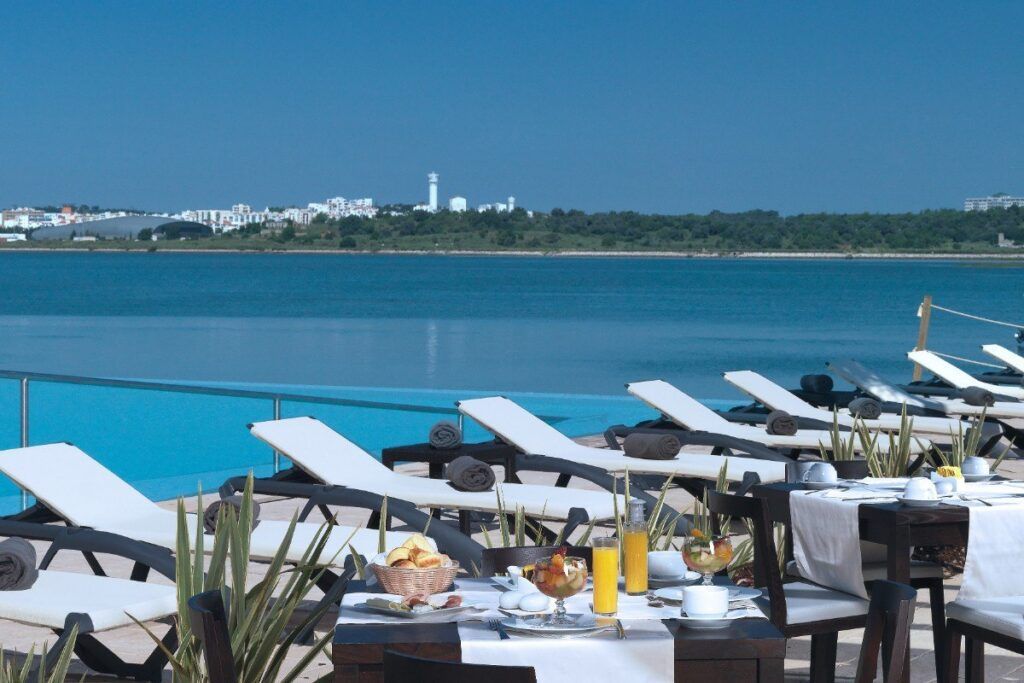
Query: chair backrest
(945, 370)
(1012, 360)
(515, 424)
(766, 565)
(679, 407)
(875, 385)
(400, 668)
(767, 392)
(495, 560)
(889, 618)
(210, 624)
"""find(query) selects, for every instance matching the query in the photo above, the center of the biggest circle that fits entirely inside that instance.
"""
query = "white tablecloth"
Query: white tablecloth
(993, 565)
(646, 654)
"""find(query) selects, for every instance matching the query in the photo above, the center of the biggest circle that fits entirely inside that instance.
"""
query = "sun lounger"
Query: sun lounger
(531, 435)
(84, 493)
(689, 413)
(959, 379)
(329, 458)
(1004, 355)
(776, 397)
(875, 385)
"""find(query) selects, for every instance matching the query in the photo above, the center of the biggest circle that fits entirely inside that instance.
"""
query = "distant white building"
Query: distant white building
(511, 203)
(13, 237)
(1000, 201)
(432, 179)
(457, 204)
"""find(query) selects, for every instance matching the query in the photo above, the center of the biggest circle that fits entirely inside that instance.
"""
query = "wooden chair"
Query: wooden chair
(495, 560)
(997, 622)
(888, 629)
(798, 608)
(210, 624)
(399, 668)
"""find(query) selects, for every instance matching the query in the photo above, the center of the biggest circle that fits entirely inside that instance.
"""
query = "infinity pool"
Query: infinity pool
(171, 444)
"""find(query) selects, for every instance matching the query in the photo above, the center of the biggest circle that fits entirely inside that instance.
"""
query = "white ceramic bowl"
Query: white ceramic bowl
(705, 602)
(974, 465)
(665, 564)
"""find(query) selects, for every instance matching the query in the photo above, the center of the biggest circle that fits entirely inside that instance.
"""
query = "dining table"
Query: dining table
(747, 649)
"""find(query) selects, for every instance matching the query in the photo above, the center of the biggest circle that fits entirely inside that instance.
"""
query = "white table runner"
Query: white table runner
(993, 565)
(646, 654)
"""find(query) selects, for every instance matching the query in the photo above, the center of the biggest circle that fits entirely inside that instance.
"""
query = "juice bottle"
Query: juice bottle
(606, 575)
(634, 544)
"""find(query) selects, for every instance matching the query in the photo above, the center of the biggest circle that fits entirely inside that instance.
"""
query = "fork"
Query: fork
(495, 625)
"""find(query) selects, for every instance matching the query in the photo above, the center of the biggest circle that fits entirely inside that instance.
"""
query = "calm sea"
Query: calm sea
(571, 325)
(560, 335)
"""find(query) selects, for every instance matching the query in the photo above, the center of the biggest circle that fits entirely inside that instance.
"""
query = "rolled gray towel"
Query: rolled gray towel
(17, 565)
(234, 505)
(446, 435)
(651, 446)
(466, 473)
(781, 423)
(977, 396)
(865, 408)
(816, 384)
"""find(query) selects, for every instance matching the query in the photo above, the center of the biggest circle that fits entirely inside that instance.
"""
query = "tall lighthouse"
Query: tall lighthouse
(432, 179)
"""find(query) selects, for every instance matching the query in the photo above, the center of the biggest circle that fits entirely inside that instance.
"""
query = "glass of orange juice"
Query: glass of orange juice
(606, 575)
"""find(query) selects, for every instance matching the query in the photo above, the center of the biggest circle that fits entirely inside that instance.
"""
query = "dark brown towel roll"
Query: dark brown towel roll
(651, 446)
(780, 423)
(865, 408)
(234, 505)
(816, 384)
(17, 565)
(466, 473)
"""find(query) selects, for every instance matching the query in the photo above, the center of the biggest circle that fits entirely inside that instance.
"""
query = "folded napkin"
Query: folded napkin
(233, 504)
(17, 565)
(466, 473)
(977, 396)
(780, 423)
(445, 435)
(816, 384)
(992, 567)
(865, 408)
(651, 446)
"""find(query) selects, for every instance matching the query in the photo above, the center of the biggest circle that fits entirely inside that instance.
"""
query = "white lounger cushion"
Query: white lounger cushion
(87, 494)
(1002, 615)
(332, 459)
(107, 601)
(532, 435)
(690, 413)
(1001, 353)
(951, 374)
(774, 397)
(807, 602)
(875, 385)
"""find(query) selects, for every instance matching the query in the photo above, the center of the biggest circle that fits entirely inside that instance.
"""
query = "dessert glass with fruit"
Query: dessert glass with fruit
(707, 554)
(560, 577)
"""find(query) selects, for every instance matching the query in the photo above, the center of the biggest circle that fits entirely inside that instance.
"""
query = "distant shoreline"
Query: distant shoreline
(1008, 255)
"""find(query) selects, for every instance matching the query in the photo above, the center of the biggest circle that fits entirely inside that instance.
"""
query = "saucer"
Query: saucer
(918, 502)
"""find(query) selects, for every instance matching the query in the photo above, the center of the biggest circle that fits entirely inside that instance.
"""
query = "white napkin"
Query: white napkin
(992, 568)
(646, 654)
(826, 539)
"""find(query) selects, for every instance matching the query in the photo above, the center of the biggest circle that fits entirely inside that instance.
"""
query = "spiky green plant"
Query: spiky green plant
(259, 616)
(743, 552)
(703, 519)
(12, 673)
(842, 444)
(894, 461)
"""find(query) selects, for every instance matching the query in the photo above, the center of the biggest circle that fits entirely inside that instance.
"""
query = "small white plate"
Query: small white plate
(688, 577)
(584, 623)
(919, 502)
(721, 622)
(979, 477)
(433, 615)
(675, 595)
(821, 485)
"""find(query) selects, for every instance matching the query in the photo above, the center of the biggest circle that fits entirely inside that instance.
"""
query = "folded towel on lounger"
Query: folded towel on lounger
(977, 396)
(234, 505)
(865, 408)
(651, 446)
(781, 423)
(816, 384)
(445, 435)
(466, 473)
(17, 565)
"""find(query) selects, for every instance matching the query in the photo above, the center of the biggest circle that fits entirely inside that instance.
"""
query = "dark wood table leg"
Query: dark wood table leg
(771, 670)
(898, 569)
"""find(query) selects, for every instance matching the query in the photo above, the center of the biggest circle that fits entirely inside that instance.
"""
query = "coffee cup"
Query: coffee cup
(919, 488)
(821, 473)
(974, 465)
(705, 602)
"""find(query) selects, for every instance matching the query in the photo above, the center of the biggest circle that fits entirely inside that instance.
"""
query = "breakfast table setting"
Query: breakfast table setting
(565, 618)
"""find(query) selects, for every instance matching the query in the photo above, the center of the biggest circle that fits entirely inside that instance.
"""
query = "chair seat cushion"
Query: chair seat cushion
(807, 602)
(1002, 615)
(874, 571)
(106, 601)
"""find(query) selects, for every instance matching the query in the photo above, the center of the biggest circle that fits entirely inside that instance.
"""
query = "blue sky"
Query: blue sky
(655, 107)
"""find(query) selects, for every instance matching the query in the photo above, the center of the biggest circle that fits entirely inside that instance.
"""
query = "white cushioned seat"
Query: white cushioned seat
(876, 571)
(807, 602)
(1002, 615)
(107, 601)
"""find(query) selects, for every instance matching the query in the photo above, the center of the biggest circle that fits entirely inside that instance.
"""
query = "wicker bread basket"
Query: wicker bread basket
(406, 581)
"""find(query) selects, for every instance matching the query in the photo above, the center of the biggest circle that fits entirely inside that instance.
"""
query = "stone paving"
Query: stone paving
(133, 643)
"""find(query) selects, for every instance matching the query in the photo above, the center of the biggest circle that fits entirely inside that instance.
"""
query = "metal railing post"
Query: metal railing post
(24, 431)
(461, 425)
(277, 416)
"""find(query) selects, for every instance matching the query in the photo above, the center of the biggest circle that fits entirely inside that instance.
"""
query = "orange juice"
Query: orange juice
(634, 545)
(606, 575)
